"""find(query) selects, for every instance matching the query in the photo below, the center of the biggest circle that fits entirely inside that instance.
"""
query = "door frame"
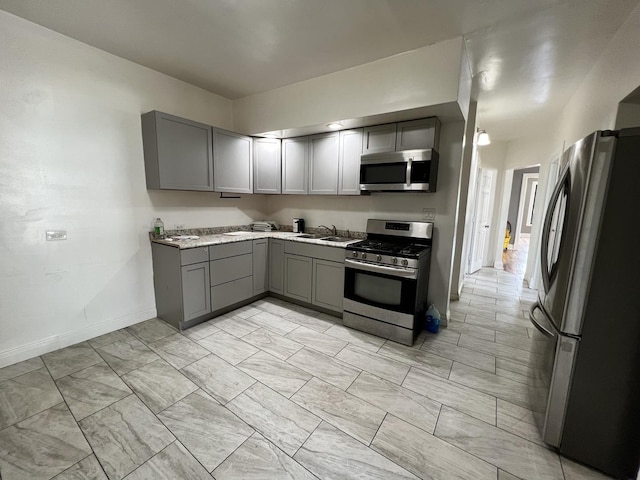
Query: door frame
(474, 224)
(523, 200)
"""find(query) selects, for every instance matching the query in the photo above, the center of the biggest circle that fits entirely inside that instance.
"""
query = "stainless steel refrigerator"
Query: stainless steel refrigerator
(585, 381)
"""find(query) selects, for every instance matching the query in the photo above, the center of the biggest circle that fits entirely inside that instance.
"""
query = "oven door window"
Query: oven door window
(383, 173)
(383, 291)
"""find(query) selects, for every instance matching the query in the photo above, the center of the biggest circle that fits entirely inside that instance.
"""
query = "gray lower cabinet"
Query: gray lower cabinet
(349, 162)
(379, 139)
(232, 162)
(295, 166)
(177, 153)
(267, 166)
(276, 266)
(196, 297)
(328, 284)
(323, 164)
(297, 277)
(231, 272)
(260, 266)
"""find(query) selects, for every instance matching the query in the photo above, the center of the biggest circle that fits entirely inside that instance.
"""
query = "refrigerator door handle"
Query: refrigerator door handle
(546, 229)
(532, 319)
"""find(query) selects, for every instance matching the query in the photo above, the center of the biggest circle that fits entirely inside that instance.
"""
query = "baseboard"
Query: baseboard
(498, 265)
(55, 342)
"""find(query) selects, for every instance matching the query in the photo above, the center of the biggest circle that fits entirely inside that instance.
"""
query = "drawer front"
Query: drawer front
(232, 268)
(333, 254)
(230, 249)
(231, 292)
(194, 255)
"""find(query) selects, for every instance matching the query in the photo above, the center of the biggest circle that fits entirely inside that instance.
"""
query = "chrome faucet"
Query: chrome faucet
(333, 230)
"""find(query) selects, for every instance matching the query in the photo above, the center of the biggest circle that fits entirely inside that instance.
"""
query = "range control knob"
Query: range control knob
(394, 260)
(378, 257)
(354, 254)
(364, 255)
(405, 262)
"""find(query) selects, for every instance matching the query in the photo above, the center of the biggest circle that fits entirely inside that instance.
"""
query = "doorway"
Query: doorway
(485, 189)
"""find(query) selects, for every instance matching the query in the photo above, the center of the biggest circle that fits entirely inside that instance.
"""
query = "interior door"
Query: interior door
(481, 221)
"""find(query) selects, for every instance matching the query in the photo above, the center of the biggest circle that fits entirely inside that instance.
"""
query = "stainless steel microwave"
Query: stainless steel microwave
(407, 170)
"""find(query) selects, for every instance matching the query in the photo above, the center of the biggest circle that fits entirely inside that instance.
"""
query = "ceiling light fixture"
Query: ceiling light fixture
(334, 125)
(483, 138)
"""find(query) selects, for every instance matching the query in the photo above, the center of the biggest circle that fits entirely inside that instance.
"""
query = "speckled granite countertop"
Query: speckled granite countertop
(240, 236)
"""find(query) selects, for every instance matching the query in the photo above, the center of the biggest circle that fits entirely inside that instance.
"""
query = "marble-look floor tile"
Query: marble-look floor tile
(259, 459)
(518, 372)
(280, 376)
(172, 463)
(355, 337)
(273, 305)
(151, 330)
(332, 454)
(513, 318)
(41, 446)
(227, 347)
(273, 322)
(70, 360)
(280, 420)
(496, 349)
(575, 471)
(519, 421)
(159, 385)
(86, 469)
(476, 310)
(246, 311)
(234, 325)
(492, 384)
(505, 450)
(201, 330)
(520, 342)
(441, 390)
(502, 475)
(462, 355)
(218, 378)
(343, 410)
(311, 321)
(445, 335)
(313, 339)
(416, 357)
(401, 402)
(473, 330)
(206, 428)
(178, 350)
(17, 369)
(26, 395)
(92, 389)
(493, 324)
(127, 355)
(336, 373)
(374, 363)
(428, 456)
(270, 342)
(124, 436)
(111, 337)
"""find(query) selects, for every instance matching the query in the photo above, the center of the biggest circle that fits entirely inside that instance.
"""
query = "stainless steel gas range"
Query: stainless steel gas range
(386, 279)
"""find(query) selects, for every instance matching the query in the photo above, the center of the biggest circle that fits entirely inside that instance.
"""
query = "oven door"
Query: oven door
(382, 292)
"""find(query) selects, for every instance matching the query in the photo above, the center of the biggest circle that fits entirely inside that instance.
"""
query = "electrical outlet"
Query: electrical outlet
(54, 235)
(429, 214)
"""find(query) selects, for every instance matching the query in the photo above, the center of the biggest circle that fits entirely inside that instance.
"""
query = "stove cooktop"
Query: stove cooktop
(399, 249)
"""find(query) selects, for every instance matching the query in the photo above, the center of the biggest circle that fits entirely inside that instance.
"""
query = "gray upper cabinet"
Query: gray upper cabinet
(418, 134)
(267, 163)
(379, 139)
(295, 161)
(323, 163)
(232, 162)
(349, 162)
(177, 153)
(260, 266)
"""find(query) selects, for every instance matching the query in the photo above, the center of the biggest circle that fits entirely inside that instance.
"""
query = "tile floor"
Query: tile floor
(276, 391)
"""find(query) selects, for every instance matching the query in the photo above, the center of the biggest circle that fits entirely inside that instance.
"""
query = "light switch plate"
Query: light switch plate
(429, 214)
(53, 235)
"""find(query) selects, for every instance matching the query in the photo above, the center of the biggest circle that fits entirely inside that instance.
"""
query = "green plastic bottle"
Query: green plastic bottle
(158, 228)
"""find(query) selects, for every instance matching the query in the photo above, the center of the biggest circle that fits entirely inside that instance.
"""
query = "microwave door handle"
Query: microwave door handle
(546, 230)
(409, 162)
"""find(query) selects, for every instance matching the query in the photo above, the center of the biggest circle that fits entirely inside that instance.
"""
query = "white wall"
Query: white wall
(71, 158)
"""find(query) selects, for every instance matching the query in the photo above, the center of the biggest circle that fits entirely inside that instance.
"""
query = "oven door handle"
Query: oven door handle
(392, 271)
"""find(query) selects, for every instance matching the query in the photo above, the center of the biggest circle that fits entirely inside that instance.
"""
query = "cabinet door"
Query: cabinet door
(276, 266)
(297, 277)
(232, 162)
(379, 139)
(349, 165)
(328, 284)
(196, 295)
(177, 153)
(267, 163)
(323, 164)
(260, 266)
(424, 133)
(295, 161)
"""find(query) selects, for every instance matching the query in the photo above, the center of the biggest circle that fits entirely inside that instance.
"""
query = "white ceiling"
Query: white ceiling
(530, 54)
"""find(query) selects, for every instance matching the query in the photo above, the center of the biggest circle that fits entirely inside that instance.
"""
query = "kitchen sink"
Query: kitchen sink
(310, 235)
(336, 239)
